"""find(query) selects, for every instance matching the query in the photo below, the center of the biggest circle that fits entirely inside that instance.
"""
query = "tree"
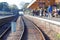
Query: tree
(14, 9)
(25, 5)
(1, 6)
(4, 6)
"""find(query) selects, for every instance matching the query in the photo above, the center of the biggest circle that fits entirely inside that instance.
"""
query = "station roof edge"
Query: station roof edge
(31, 3)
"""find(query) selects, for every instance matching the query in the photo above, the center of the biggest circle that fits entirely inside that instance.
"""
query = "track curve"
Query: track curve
(31, 32)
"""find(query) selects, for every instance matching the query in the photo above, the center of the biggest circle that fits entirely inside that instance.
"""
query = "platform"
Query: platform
(19, 31)
(50, 26)
(1, 17)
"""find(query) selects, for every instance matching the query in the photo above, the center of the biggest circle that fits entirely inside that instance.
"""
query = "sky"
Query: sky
(17, 2)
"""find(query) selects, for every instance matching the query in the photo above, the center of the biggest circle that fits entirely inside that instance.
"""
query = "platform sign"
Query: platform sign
(13, 26)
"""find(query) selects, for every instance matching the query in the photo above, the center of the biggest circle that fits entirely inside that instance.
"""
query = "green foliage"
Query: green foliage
(57, 37)
(4, 6)
(58, 6)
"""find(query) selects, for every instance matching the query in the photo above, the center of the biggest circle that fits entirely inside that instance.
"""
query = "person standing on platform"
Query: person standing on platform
(33, 12)
(41, 12)
(49, 11)
(55, 12)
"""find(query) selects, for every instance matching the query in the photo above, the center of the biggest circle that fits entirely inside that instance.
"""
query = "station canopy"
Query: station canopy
(33, 4)
(40, 3)
(36, 4)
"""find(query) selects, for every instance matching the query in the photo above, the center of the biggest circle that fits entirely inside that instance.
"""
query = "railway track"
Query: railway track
(31, 31)
(4, 28)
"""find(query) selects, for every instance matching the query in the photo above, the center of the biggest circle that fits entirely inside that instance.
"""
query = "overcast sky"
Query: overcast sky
(17, 2)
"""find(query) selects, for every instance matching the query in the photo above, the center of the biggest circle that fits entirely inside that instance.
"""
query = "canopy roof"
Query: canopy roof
(37, 3)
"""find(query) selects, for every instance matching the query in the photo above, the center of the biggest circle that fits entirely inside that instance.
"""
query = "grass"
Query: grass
(58, 37)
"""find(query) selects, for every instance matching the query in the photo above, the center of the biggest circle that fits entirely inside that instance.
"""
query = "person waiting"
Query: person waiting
(55, 12)
(49, 10)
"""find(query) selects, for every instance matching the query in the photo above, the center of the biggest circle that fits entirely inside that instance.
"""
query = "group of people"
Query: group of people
(49, 12)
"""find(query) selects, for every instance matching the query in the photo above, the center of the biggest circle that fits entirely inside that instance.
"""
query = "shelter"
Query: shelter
(35, 4)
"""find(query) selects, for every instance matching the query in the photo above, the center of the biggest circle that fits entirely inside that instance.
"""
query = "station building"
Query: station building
(36, 4)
